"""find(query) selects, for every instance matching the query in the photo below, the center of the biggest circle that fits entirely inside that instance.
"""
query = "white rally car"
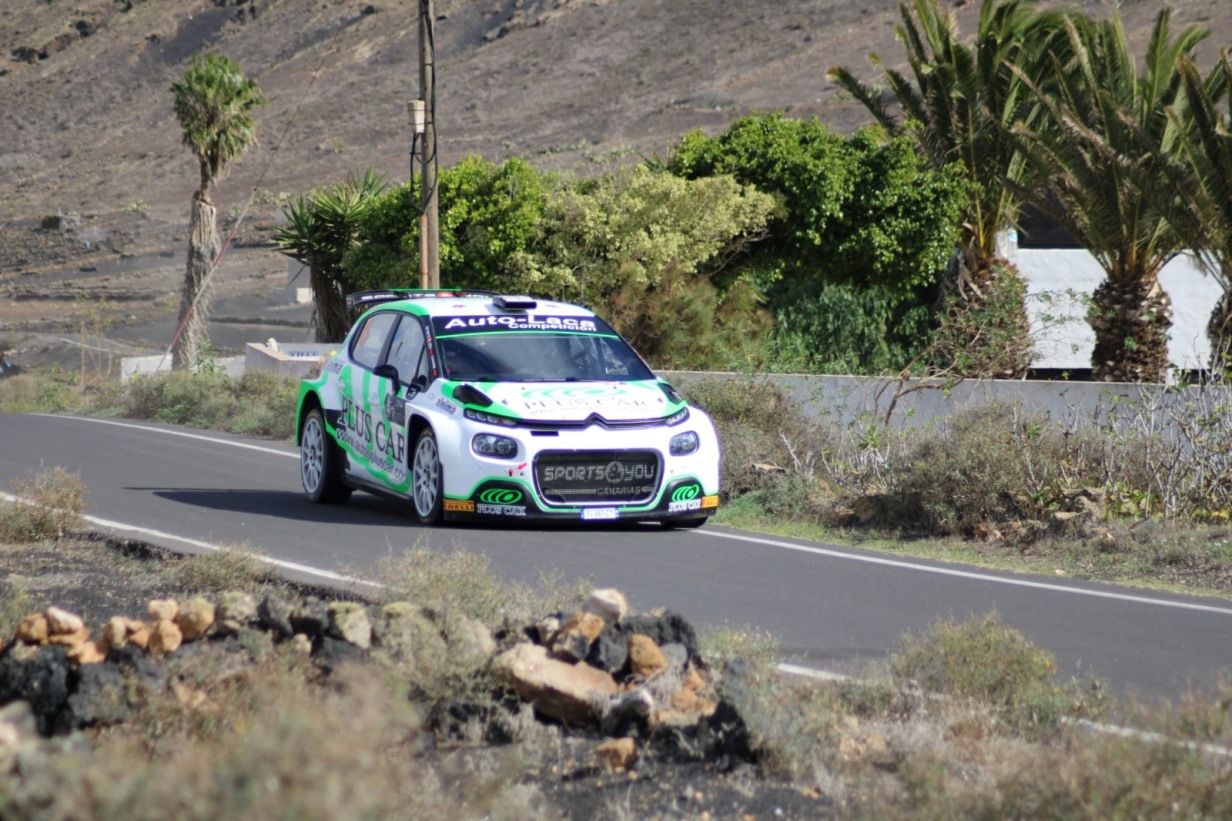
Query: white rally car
(477, 405)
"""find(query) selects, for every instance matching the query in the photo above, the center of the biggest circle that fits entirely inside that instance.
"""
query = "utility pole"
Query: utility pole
(429, 236)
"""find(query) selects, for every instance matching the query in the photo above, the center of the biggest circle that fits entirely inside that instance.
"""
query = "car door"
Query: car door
(363, 429)
(402, 373)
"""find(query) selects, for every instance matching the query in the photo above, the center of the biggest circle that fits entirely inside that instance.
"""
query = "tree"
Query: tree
(1111, 134)
(214, 104)
(320, 229)
(1204, 184)
(958, 105)
(853, 253)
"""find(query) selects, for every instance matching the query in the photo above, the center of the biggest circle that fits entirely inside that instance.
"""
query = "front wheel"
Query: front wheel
(320, 463)
(427, 481)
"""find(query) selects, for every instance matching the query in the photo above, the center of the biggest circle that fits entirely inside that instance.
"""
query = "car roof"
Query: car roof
(461, 303)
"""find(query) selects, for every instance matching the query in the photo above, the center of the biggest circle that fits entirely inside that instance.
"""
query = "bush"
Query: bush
(990, 664)
(762, 433)
(256, 404)
(51, 506)
(220, 571)
(990, 464)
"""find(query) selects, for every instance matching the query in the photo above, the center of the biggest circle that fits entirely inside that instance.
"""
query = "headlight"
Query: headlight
(684, 443)
(494, 445)
(677, 417)
(489, 418)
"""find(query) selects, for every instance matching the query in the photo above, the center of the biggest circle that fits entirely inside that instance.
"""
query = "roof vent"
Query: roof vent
(515, 303)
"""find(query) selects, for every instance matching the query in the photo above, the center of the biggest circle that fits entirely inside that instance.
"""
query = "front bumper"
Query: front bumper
(683, 487)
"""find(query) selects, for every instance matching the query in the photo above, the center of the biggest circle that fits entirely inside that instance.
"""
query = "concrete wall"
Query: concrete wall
(919, 402)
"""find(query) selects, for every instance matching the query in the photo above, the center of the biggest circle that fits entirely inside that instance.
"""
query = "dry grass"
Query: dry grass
(228, 568)
(51, 505)
(268, 744)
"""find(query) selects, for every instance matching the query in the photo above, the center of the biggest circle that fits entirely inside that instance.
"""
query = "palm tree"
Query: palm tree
(320, 229)
(214, 103)
(1205, 185)
(1112, 132)
(959, 103)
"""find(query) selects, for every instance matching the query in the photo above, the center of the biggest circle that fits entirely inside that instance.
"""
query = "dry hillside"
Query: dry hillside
(88, 130)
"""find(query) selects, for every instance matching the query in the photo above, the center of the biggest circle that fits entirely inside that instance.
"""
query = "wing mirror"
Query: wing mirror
(386, 371)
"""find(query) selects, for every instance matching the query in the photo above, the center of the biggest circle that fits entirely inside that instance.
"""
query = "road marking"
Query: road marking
(968, 574)
(180, 433)
(123, 527)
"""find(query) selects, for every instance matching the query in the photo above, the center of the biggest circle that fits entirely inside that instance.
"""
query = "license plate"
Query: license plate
(593, 513)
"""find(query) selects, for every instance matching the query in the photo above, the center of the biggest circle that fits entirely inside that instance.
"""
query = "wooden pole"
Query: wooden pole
(429, 227)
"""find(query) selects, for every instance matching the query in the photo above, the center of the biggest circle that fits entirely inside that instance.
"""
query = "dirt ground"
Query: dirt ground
(95, 186)
(97, 577)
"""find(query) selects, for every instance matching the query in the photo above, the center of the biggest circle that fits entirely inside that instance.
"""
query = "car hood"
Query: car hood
(578, 401)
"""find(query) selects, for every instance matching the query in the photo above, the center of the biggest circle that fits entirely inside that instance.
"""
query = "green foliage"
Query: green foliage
(321, 228)
(1105, 147)
(490, 228)
(631, 227)
(863, 229)
(841, 328)
(684, 323)
(258, 403)
(989, 663)
(801, 162)
(214, 104)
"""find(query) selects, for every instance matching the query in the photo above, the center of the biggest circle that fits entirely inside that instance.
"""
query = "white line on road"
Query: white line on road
(816, 551)
(968, 574)
(183, 434)
(162, 536)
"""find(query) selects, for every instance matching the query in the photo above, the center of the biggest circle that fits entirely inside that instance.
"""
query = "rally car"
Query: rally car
(475, 405)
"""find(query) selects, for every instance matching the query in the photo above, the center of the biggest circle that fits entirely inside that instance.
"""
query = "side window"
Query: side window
(370, 341)
(406, 352)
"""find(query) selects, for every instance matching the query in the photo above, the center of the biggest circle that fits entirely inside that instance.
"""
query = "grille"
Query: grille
(612, 476)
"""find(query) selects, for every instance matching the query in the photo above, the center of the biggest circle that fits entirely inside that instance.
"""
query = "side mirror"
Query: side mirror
(387, 371)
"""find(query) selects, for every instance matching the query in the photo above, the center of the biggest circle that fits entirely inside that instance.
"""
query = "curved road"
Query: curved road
(833, 609)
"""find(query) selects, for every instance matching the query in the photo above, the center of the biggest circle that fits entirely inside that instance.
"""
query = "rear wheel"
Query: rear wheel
(320, 463)
(427, 485)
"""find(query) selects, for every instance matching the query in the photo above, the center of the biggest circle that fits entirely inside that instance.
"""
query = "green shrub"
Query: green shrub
(991, 664)
(51, 505)
(256, 404)
(685, 323)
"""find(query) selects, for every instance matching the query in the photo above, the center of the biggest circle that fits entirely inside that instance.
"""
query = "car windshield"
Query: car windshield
(539, 356)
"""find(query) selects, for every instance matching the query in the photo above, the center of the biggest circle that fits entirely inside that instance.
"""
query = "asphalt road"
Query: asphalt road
(833, 609)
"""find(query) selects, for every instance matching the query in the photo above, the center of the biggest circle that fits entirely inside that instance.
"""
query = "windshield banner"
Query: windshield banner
(447, 325)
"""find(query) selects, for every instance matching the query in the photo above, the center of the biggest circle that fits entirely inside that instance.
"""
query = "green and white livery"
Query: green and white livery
(477, 405)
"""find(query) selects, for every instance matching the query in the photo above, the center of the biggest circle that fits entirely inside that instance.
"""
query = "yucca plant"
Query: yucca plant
(959, 103)
(214, 104)
(320, 228)
(1111, 133)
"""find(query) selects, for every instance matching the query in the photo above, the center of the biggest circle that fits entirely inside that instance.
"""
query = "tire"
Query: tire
(427, 479)
(320, 463)
(682, 524)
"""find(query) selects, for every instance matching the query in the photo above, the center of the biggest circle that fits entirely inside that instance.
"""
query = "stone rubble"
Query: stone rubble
(636, 678)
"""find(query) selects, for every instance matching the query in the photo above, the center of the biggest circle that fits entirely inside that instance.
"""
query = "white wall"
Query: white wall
(1060, 283)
